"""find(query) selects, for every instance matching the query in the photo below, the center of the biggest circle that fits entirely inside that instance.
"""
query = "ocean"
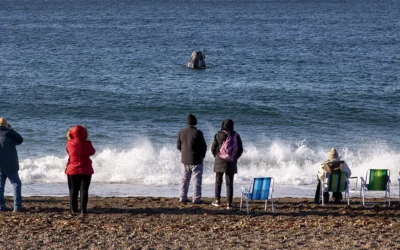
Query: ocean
(297, 77)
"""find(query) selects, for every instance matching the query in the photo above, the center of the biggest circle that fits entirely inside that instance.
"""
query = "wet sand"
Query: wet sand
(165, 223)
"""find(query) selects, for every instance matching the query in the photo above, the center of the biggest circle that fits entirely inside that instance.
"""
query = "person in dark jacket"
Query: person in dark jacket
(193, 149)
(79, 167)
(9, 164)
(222, 166)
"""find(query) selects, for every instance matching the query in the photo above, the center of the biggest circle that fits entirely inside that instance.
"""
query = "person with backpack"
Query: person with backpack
(226, 148)
(193, 150)
(333, 165)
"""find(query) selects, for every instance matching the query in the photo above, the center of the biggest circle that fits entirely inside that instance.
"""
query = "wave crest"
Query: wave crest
(147, 164)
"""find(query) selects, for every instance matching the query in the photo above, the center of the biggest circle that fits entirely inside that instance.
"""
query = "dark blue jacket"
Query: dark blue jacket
(8, 153)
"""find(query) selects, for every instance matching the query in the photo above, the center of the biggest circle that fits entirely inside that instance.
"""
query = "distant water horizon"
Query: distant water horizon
(298, 78)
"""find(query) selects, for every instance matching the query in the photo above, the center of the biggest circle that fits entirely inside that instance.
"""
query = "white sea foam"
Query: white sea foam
(147, 164)
(146, 169)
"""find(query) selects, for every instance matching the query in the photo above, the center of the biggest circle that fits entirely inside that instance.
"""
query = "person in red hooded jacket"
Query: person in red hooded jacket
(79, 167)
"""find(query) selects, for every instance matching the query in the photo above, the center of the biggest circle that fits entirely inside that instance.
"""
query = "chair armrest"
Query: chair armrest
(246, 192)
(354, 177)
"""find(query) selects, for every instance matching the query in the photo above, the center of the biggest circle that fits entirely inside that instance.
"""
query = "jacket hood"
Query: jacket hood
(227, 125)
(78, 132)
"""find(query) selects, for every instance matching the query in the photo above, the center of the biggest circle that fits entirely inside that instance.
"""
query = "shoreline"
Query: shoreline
(165, 223)
(173, 190)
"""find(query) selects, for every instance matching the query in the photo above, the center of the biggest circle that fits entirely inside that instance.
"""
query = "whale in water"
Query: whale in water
(196, 61)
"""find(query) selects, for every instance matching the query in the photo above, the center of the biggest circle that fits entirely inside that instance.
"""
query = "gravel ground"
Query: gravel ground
(165, 223)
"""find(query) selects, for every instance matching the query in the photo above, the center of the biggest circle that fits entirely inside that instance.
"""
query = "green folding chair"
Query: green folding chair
(337, 182)
(376, 180)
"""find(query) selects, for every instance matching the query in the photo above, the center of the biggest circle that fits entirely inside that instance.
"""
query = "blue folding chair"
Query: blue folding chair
(260, 189)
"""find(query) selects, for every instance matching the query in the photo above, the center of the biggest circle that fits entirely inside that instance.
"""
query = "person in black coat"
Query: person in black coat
(221, 166)
(193, 149)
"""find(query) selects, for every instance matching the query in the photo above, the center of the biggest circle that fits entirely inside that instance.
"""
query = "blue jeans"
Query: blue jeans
(16, 183)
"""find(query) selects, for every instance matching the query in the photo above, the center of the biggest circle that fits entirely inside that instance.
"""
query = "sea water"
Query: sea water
(297, 77)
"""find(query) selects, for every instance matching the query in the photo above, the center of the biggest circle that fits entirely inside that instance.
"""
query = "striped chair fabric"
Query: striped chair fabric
(260, 188)
(336, 182)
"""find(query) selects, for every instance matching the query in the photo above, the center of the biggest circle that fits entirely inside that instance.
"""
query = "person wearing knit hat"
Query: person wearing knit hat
(191, 120)
(334, 164)
(193, 150)
(9, 164)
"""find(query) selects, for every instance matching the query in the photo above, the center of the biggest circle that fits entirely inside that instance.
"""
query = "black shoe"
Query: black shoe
(197, 202)
(338, 201)
(20, 210)
(338, 197)
(183, 200)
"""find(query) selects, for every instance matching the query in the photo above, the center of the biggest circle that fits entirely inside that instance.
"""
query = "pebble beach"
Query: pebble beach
(165, 223)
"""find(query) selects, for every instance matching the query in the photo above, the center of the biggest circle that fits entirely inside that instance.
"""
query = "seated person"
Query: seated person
(332, 165)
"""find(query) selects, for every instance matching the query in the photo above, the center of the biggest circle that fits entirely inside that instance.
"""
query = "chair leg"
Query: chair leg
(272, 201)
(386, 197)
(241, 200)
(388, 192)
(265, 205)
(247, 205)
(321, 196)
(363, 196)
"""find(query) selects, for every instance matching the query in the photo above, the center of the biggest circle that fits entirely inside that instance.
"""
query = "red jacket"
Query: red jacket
(79, 149)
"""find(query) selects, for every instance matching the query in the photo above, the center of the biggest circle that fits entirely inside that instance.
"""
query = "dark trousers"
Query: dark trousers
(336, 195)
(76, 184)
(229, 186)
